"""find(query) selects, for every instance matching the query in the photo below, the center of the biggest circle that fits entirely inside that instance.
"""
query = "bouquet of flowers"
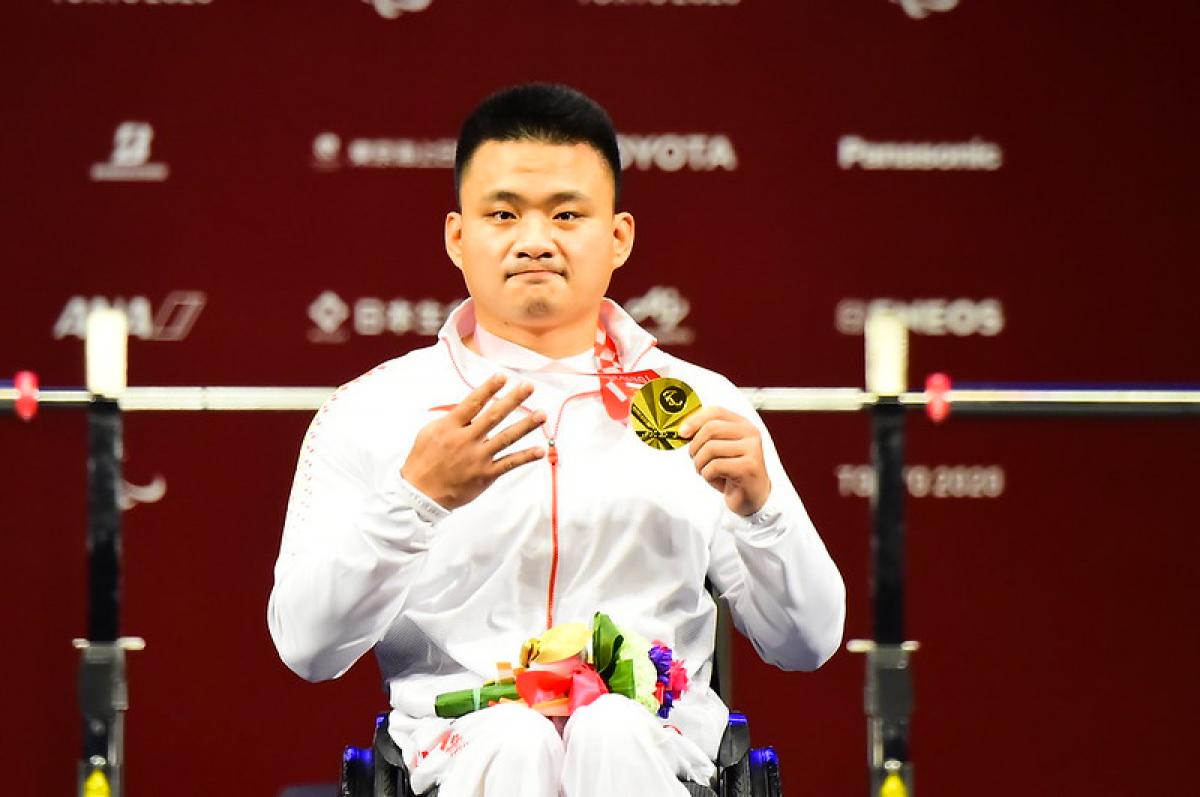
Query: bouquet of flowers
(570, 665)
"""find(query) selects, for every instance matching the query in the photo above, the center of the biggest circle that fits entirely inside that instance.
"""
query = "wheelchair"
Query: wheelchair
(742, 771)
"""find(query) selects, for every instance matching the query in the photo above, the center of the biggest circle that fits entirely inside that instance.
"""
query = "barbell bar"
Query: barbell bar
(24, 397)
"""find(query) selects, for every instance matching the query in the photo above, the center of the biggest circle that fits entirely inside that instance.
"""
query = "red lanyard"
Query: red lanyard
(617, 387)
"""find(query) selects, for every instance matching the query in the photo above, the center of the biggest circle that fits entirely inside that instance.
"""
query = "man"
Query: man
(456, 501)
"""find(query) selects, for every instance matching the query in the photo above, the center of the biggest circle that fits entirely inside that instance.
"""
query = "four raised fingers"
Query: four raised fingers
(477, 399)
(517, 459)
(514, 432)
(490, 417)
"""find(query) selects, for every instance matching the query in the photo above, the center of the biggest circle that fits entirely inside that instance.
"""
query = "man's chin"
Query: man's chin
(539, 309)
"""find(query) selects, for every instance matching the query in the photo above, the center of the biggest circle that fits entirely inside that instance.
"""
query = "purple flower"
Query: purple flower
(662, 657)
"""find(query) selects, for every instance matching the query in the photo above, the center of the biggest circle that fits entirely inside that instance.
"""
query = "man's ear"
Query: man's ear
(623, 229)
(453, 236)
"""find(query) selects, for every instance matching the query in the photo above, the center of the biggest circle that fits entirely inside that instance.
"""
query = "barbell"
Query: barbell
(25, 397)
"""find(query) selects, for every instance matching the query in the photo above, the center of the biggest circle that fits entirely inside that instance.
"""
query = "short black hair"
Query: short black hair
(550, 113)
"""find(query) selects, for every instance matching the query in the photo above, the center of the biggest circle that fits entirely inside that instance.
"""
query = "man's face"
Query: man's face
(537, 239)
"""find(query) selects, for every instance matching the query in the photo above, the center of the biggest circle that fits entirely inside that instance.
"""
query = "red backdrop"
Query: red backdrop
(262, 186)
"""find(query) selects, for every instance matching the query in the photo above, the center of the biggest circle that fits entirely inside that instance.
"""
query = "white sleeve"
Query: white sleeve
(783, 589)
(352, 542)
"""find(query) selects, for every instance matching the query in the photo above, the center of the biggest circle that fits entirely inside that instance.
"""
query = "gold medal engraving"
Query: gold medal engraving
(658, 409)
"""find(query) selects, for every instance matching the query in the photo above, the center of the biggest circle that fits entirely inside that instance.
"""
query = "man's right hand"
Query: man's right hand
(453, 460)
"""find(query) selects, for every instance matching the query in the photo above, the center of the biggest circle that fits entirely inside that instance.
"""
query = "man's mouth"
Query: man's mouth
(535, 272)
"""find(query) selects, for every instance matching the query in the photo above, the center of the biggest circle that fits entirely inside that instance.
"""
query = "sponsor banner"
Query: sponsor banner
(672, 152)
(667, 152)
(329, 154)
(977, 154)
(173, 320)
(662, 310)
(927, 481)
(130, 158)
(919, 9)
(372, 315)
(960, 317)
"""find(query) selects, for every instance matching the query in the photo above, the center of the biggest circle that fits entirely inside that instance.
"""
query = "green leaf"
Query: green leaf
(606, 642)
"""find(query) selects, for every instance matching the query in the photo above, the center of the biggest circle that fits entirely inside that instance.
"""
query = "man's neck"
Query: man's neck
(556, 342)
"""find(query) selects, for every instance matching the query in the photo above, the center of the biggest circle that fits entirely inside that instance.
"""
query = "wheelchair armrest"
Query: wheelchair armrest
(384, 746)
(735, 742)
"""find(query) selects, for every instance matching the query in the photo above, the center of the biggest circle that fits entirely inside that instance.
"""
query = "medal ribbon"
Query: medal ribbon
(617, 387)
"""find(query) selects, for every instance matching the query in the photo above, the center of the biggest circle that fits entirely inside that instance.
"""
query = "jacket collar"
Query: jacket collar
(637, 347)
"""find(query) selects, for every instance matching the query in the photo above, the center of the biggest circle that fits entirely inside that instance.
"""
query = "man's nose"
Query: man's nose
(535, 237)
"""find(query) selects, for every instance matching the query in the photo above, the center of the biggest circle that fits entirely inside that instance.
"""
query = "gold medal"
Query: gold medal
(658, 409)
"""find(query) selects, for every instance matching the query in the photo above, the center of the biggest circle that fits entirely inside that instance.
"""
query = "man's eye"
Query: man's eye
(567, 215)
(502, 215)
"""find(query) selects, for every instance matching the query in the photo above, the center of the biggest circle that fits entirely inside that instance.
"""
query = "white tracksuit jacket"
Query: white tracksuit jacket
(608, 525)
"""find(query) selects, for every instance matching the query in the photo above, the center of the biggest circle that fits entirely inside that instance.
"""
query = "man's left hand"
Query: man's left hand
(727, 451)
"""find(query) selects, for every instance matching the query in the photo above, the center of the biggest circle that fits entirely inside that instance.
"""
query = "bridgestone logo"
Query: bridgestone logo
(974, 155)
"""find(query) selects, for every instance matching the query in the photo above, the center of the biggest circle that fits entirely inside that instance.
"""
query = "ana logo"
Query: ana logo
(919, 9)
(130, 158)
(661, 310)
(371, 315)
(392, 9)
(173, 320)
(670, 152)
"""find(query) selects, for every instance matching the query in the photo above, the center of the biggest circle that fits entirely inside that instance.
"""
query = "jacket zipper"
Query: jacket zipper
(552, 456)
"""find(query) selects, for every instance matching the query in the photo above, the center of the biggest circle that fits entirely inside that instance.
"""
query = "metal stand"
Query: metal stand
(888, 703)
(103, 700)
(888, 694)
(103, 689)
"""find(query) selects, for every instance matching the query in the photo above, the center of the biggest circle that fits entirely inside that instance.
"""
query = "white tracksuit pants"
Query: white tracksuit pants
(611, 747)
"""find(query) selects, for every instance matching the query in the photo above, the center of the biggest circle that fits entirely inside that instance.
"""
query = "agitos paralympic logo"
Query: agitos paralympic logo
(919, 9)
(392, 9)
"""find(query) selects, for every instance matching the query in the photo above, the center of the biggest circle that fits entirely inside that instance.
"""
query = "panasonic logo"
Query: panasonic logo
(974, 155)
